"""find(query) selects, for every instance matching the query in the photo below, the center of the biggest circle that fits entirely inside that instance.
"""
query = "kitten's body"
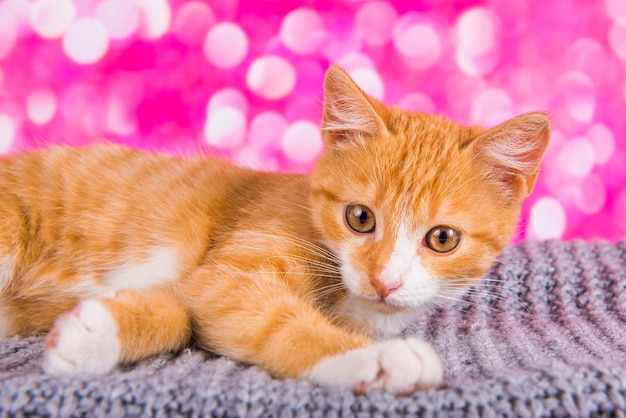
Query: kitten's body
(261, 267)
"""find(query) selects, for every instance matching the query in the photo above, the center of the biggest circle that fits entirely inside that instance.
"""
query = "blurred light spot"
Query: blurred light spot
(302, 142)
(271, 77)
(374, 22)
(119, 119)
(9, 26)
(491, 107)
(41, 105)
(578, 95)
(7, 134)
(590, 57)
(225, 129)
(86, 41)
(192, 22)
(228, 97)
(616, 9)
(370, 81)
(120, 17)
(51, 18)
(577, 157)
(513, 15)
(226, 45)
(17, 8)
(460, 91)
(420, 44)
(417, 102)
(302, 31)
(477, 65)
(155, 18)
(267, 129)
(8, 37)
(355, 60)
(617, 38)
(590, 196)
(476, 31)
(603, 142)
(547, 219)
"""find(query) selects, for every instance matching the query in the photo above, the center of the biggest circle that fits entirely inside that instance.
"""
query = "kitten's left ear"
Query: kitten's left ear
(513, 151)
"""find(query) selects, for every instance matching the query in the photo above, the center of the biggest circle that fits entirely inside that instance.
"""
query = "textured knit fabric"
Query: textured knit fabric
(543, 335)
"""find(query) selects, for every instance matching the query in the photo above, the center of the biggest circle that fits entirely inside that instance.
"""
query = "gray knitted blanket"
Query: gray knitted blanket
(544, 335)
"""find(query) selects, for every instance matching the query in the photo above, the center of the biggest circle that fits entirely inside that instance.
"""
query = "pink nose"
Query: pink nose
(383, 289)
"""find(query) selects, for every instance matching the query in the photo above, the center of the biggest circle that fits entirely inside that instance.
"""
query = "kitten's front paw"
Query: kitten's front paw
(82, 342)
(397, 366)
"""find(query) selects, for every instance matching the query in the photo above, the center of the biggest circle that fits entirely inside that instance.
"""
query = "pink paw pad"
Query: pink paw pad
(83, 341)
(53, 338)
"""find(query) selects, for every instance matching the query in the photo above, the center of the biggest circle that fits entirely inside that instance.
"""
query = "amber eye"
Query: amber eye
(360, 218)
(443, 239)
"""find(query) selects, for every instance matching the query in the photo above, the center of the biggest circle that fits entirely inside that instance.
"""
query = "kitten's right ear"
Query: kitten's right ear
(513, 151)
(350, 114)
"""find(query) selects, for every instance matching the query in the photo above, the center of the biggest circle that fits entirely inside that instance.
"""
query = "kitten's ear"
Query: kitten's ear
(513, 151)
(350, 114)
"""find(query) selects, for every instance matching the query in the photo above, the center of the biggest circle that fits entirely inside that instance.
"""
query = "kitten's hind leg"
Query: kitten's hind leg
(122, 327)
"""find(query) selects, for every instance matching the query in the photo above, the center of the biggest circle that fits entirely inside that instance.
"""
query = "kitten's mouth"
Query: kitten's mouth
(384, 306)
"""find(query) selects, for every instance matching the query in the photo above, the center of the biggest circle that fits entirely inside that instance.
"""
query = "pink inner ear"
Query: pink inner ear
(514, 149)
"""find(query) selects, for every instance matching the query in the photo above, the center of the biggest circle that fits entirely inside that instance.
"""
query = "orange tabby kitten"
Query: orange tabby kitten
(121, 254)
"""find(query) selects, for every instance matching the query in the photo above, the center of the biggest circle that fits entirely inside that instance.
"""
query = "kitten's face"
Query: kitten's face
(413, 207)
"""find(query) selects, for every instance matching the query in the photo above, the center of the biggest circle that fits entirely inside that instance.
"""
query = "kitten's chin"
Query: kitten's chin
(377, 318)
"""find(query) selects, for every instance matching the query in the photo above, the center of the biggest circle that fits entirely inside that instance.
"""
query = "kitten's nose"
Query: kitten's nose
(383, 289)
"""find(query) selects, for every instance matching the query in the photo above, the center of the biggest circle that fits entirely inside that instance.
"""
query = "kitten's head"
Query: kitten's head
(417, 207)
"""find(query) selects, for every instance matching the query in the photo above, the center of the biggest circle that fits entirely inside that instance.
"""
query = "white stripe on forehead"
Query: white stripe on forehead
(402, 259)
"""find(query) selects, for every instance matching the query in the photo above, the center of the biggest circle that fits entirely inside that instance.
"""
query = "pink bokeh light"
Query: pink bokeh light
(243, 80)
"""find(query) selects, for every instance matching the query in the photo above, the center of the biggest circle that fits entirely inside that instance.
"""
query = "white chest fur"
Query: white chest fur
(159, 267)
(382, 325)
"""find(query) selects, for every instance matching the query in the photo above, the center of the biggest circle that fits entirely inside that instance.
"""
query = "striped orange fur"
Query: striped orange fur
(264, 267)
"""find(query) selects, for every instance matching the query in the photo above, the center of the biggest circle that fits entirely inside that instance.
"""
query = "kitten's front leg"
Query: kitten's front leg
(259, 319)
(119, 327)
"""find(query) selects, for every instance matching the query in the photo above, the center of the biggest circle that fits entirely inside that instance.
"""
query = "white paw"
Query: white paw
(397, 366)
(82, 342)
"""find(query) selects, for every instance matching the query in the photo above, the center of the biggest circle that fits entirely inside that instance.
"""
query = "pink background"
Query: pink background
(243, 80)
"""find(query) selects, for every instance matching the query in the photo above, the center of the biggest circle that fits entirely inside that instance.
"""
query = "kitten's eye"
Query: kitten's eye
(360, 218)
(443, 239)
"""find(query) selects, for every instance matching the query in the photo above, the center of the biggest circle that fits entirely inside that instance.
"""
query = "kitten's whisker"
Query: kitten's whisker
(319, 264)
(307, 208)
(485, 279)
(450, 302)
(302, 243)
(307, 260)
(475, 290)
(301, 273)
